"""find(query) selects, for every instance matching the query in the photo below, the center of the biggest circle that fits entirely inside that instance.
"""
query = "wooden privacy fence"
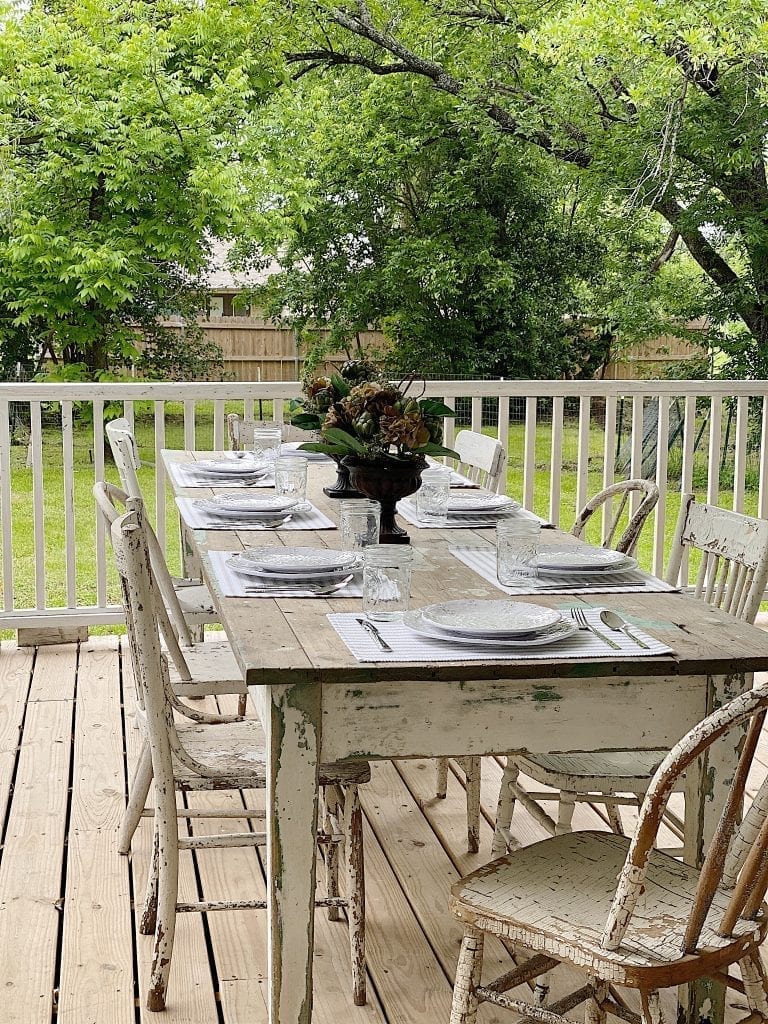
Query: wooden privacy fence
(562, 440)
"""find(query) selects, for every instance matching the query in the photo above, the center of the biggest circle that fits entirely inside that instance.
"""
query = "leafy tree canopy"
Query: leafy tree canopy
(118, 158)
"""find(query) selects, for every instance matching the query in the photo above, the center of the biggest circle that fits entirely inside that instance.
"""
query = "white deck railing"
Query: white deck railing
(711, 437)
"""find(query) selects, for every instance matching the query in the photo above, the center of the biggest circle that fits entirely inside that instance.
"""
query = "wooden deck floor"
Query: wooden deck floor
(69, 950)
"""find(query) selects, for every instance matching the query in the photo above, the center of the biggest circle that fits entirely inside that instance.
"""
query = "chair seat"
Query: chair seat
(213, 669)
(196, 603)
(602, 772)
(240, 748)
(554, 897)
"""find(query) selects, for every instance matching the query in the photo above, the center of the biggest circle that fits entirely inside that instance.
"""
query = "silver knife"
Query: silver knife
(370, 628)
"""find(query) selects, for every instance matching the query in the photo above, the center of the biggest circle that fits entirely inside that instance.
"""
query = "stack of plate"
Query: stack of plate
(297, 564)
(240, 509)
(491, 624)
(231, 468)
(583, 561)
(480, 503)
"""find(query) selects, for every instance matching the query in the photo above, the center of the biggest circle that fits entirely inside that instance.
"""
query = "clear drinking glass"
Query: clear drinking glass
(291, 478)
(359, 520)
(433, 495)
(517, 547)
(267, 442)
(386, 581)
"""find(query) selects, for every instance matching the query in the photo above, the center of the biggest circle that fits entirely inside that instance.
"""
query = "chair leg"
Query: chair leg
(353, 830)
(651, 1013)
(137, 798)
(331, 859)
(242, 704)
(441, 778)
(468, 973)
(505, 810)
(755, 985)
(614, 818)
(565, 809)
(472, 770)
(593, 1010)
(148, 920)
(166, 831)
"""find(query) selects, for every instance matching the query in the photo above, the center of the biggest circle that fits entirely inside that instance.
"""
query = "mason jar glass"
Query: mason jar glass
(267, 442)
(433, 495)
(359, 520)
(291, 478)
(386, 581)
(517, 548)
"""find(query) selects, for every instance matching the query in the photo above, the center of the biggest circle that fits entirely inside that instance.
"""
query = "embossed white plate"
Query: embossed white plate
(299, 560)
(582, 558)
(552, 635)
(236, 505)
(243, 565)
(480, 501)
(490, 618)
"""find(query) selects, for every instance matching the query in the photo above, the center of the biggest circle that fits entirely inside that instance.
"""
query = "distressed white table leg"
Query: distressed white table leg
(191, 567)
(706, 788)
(291, 719)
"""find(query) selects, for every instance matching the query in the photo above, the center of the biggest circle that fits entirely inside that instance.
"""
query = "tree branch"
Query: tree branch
(708, 258)
(317, 58)
(665, 255)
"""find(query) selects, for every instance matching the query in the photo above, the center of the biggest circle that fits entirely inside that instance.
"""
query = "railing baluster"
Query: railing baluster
(477, 414)
(740, 453)
(686, 481)
(248, 404)
(160, 473)
(662, 462)
(529, 459)
(502, 428)
(609, 459)
(556, 458)
(130, 414)
(189, 424)
(98, 475)
(6, 508)
(38, 508)
(69, 503)
(636, 459)
(715, 437)
(762, 498)
(218, 425)
(582, 465)
(449, 425)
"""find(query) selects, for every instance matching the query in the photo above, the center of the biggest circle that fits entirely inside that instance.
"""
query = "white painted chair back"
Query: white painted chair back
(125, 452)
(482, 459)
(627, 542)
(735, 861)
(240, 432)
(733, 571)
(173, 625)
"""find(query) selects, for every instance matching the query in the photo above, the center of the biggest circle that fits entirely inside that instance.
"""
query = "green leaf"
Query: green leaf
(339, 436)
(341, 385)
(434, 407)
(437, 450)
(306, 421)
(320, 446)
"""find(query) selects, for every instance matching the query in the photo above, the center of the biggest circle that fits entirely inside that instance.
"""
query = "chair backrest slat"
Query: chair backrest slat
(240, 431)
(733, 571)
(750, 705)
(482, 459)
(629, 538)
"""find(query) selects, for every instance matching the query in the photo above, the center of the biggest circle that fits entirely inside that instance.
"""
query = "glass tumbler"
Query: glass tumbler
(291, 478)
(386, 581)
(433, 495)
(267, 442)
(359, 520)
(517, 547)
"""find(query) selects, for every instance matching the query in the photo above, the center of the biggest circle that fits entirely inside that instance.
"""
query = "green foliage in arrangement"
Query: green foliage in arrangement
(118, 156)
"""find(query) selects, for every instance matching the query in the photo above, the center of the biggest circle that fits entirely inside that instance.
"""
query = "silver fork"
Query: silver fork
(315, 589)
(578, 616)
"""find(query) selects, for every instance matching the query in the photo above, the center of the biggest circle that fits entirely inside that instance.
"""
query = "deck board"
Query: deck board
(69, 948)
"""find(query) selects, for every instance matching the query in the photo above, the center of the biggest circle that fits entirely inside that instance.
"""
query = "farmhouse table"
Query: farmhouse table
(317, 703)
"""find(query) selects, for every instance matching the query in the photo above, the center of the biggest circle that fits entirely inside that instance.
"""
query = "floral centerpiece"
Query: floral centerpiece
(383, 434)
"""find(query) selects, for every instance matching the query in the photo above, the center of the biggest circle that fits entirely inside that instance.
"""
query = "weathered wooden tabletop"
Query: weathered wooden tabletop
(291, 640)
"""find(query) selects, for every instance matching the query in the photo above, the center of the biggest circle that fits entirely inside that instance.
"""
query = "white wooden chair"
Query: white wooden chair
(193, 596)
(196, 669)
(627, 542)
(240, 431)
(732, 576)
(208, 754)
(665, 924)
(484, 461)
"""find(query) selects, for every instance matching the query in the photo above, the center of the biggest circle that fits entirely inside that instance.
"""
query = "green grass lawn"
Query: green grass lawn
(85, 523)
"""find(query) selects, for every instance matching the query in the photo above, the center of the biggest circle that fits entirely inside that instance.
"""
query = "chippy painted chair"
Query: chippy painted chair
(732, 576)
(240, 431)
(196, 669)
(664, 925)
(627, 542)
(193, 596)
(210, 754)
(484, 461)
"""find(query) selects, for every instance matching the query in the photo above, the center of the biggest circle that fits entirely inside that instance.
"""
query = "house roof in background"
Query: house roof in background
(220, 278)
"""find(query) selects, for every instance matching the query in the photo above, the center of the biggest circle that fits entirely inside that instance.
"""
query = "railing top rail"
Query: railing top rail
(211, 390)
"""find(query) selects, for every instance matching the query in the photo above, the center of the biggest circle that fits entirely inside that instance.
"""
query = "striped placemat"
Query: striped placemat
(407, 509)
(198, 519)
(183, 474)
(234, 584)
(483, 562)
(409, 646)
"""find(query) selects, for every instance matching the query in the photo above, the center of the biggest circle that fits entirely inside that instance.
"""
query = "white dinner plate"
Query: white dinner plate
(299, 560)
(478, 618)
(578, 557)
(229, 467)
(240, 564)
(231, 503)
(552, 635)
(235, 516)
(480, 501)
